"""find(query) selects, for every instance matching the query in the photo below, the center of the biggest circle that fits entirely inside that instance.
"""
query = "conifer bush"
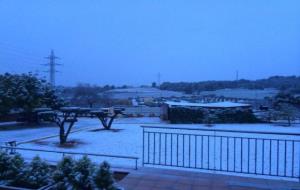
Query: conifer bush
(69, 174)
(104, 178)
(4, 164)
(63, 173)
(16, 163)
(82, 176)
(35, 175)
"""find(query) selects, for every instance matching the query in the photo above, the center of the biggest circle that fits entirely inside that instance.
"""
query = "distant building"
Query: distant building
(219, 112)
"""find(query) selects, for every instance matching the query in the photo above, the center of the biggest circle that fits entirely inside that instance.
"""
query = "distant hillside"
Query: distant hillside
(140, 92)
(291, 83)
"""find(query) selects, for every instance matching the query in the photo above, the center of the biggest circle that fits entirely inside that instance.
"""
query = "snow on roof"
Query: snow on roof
(208, 105)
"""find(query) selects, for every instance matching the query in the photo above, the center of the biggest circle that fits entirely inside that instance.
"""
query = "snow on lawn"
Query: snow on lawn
(126, 139)
(23, 132)
(26, 132)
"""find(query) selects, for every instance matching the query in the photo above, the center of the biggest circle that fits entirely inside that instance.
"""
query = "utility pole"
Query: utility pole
(237, 75)
(158, 79)
(52, 64)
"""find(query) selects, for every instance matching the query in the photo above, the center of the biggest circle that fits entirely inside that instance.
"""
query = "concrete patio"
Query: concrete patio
(166, 179)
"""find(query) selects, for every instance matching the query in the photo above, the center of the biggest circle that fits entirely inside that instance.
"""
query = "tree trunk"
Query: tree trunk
(62, 138)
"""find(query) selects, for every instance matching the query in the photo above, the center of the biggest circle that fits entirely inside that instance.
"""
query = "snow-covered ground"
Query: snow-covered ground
(242, 93)
(22, 132)
(142, 92)
(126, 139)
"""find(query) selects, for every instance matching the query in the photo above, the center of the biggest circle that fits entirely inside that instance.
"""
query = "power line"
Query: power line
(52, 65)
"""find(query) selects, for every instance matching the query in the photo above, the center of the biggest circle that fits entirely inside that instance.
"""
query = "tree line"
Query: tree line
(283, 83)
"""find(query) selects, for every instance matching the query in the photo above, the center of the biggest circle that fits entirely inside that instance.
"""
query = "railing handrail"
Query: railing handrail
(219, 130)
(71, 153)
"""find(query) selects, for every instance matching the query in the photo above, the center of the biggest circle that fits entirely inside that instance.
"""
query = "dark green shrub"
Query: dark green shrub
(236, 117)
(104, 178)
(35, 175)
(63, 173)
(16, 164)
(4, 164)
(10, 165)
(82, 176)
(185, 115)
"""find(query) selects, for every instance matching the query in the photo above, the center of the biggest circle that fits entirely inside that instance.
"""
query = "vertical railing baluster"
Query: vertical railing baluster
(249, 156)
(255, 157)
(234, 153)
(277, 167)
(263, 157)
(159, 153)
(196, 151)
(148, 147)
(166, 149)
(189, 151)
(293, 158)
(154, 139)
(270, 158)
(177, 150)
(241, 156)
(285, 159)
(171, 149)
(227, 153)
(221, 153)
(183, 140)
(143, 160)
(208, 152)
(202, 162)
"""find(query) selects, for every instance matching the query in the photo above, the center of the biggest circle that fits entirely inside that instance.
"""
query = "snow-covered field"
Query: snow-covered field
(126, 139)
(242, 93)
(142, 92)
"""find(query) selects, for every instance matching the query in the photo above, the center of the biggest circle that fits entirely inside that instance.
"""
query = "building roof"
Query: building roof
(208, 105)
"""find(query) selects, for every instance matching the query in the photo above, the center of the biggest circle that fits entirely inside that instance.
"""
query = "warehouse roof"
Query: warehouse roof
(207, 105)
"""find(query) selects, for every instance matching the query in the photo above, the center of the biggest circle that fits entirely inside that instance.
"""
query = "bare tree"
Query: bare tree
(285, 107)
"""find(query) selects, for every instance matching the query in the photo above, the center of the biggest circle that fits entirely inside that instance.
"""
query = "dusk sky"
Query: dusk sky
(131, 41)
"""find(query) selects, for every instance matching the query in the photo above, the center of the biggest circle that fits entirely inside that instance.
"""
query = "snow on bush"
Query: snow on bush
(10, 165)
(63, 173)
(16, 163)
(25, 92)
(35, 175)
(82, 176)
(104, 178)
(69, 174)
(4, 164)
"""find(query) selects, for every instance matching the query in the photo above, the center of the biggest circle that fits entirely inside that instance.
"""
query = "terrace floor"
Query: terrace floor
(166, 179)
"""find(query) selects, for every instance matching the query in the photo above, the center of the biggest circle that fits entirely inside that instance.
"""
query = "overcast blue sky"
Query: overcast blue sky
(129, 42)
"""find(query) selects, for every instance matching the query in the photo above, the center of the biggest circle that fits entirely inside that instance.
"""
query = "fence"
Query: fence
(12, 149)
(245, 152)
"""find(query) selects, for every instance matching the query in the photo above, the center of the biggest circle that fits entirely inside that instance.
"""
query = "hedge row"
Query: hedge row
(67, 174)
